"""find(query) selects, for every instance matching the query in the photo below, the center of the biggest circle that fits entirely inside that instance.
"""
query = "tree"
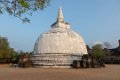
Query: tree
(97, 51)
(13, 53)
(5, 50)
(98, 55)
(19, 8)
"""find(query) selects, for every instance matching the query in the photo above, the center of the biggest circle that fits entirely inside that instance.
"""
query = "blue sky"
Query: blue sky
(95, 20)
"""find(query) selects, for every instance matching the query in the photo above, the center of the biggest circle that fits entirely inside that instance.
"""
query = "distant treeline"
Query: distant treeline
(8, 54)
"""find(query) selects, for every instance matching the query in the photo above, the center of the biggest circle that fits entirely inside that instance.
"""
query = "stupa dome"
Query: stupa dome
(60, 40)
(59, 46)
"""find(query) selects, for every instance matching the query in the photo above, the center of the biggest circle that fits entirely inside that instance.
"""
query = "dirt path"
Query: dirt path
(110, 72)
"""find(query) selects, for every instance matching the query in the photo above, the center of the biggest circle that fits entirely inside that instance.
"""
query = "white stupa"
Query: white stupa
(58, 47)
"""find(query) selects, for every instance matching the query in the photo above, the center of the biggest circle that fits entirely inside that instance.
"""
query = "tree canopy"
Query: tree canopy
(5, 50)
(19, 8)
(97, 51)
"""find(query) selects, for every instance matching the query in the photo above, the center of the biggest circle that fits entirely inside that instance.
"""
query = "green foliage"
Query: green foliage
(5, 50)
(19, 8)
(4, 47)
(24, 3)
(13, 53)
(97, 51)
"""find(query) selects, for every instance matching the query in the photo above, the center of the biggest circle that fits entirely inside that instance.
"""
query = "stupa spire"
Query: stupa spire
(60, 23)
(60, 15)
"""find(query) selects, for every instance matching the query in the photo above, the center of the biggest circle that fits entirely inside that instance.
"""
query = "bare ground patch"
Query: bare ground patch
(110, 72)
